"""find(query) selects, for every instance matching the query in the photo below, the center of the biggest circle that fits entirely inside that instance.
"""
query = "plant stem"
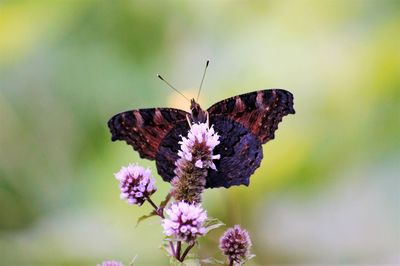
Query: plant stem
(161, 214)
(175, 253)
(186, 252)
(172, 248)
(230, 262)
(178, 250)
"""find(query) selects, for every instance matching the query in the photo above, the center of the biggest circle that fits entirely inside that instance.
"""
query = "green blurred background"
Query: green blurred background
(328, 188)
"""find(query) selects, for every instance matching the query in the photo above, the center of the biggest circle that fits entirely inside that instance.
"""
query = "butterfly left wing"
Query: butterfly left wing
(144, 129)
(260, 111)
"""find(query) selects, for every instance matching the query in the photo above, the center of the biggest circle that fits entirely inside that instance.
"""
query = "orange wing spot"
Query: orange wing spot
(138, 117)
(239, 105)
(158, 117)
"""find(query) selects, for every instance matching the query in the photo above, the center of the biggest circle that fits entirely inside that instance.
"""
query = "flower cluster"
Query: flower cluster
(185, 221)
(195, 157)
(198, 146)
(235, 243)
(110, 263)
(136, 184)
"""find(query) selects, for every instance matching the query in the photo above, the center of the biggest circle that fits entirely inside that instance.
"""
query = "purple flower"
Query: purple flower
(185, 221)
(136, 184)
(235, 243)
(195, 157)
(110, 263)
(198, 146)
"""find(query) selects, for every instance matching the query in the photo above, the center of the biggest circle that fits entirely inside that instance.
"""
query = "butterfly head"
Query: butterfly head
(198, 114)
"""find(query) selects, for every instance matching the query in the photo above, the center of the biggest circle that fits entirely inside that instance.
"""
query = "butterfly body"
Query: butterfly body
(244, 123)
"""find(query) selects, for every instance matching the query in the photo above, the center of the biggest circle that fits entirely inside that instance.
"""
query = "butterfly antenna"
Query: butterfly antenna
(172, 87)
(202, 79)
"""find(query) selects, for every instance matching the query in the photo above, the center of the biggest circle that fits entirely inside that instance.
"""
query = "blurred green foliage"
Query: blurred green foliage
(67, 66)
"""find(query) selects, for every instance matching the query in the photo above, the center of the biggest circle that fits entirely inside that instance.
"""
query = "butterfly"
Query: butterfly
(244, 122)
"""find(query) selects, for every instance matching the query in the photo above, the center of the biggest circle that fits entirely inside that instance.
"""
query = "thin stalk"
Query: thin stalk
(161, 214)
(175, 253)
(172, 248)
(186, 252)
(178, 250)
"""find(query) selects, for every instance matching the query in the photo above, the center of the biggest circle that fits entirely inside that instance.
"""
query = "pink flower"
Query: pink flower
(198, 146)
(110, 263)
(195, 157)
(235, 243)
(136, 184)
(185, 221)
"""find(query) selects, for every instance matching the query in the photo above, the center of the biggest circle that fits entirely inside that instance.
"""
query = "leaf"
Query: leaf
(186, 262)
(175, 262)
(192, 256)
(144, 217)
(212, 223)
(248, 258)
(166, 247)
(213, 261)
(191, 262)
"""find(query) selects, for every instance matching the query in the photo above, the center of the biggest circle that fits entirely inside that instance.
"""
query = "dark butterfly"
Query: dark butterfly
(244, 123)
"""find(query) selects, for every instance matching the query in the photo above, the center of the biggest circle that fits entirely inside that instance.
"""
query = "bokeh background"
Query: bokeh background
(328, 188)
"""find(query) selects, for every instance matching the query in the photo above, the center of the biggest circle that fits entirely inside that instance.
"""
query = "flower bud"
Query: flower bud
(235, 244)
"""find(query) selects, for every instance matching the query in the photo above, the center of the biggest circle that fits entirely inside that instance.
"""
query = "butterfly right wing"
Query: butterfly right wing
(144, 129)
(244, 123)
(259, 111)
(241, 154)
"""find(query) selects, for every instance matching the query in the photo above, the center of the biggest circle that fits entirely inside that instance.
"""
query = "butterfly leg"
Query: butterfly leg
(208, 119)
(188, 120)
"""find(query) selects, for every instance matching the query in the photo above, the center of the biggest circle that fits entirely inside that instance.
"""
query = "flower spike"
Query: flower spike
(195, 157)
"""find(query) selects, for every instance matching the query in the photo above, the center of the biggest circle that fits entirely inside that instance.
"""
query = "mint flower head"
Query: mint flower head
(185, 221)
(235, 244)
(136, 184)
(198, 146)
(195, 157)
(110, 263)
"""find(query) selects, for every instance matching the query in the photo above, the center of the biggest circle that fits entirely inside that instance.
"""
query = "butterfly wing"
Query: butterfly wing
(167, 153)
(244, 123)
(240, 151)
(260, 111)
(144, 129)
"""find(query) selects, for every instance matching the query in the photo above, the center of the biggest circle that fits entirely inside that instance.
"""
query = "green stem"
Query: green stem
(186, 252)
